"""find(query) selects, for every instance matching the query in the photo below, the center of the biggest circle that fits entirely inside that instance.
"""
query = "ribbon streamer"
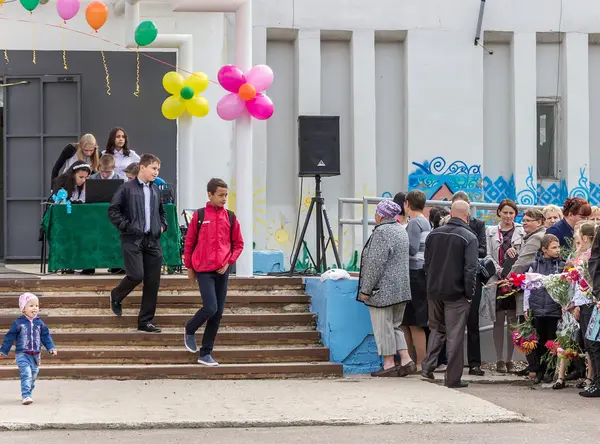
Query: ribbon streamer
(6, 56)
(64, 51)
(106, 71)
(33, 44)
(137, 73)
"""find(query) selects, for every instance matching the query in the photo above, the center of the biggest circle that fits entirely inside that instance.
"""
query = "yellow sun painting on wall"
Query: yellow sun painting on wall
(259, 203)
(280, 234)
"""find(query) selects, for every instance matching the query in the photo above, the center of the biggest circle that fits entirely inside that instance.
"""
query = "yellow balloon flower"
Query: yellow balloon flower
(185, 95)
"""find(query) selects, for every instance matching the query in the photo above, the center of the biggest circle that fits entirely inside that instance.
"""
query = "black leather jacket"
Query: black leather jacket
(126, 211)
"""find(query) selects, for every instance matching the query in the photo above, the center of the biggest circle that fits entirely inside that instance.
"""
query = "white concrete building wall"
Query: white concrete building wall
(409, 86)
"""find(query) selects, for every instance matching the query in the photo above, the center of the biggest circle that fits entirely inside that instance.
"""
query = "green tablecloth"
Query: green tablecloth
(86, 238)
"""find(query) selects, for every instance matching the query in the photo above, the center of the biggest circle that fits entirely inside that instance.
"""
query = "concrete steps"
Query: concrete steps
(267, 331)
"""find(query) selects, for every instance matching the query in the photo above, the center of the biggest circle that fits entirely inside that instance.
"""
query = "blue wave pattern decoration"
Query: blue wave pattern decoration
(431, 176)
(537, 194)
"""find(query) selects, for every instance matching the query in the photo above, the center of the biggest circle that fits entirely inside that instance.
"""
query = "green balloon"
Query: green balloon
(145, 33)
(30, 5)
(187, 93)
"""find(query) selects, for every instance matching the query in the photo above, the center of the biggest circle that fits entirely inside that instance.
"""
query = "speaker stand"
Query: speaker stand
(317, 203)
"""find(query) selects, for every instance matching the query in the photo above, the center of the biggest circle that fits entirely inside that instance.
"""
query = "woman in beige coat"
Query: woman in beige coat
(504, 243)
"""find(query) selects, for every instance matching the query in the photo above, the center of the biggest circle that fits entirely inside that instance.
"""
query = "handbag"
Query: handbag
(486, 269)
(593, 331)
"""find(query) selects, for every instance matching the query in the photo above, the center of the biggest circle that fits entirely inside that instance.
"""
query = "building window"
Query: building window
(547, 139)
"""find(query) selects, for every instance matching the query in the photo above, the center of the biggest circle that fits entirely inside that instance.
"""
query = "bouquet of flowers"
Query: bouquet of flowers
(564, 348)
(524, 337)
(559, 287)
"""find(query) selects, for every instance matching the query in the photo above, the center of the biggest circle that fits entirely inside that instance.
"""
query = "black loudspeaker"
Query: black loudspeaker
(319, 144)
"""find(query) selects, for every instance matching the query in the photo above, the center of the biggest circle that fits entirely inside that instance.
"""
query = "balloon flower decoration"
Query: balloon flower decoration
(61, 198)
(185, 95)
(246, 92)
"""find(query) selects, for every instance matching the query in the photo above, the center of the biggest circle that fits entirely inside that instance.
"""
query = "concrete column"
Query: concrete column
(576, 105)
(524, 112)
(259, 191)
(243, 143)
(364, 127)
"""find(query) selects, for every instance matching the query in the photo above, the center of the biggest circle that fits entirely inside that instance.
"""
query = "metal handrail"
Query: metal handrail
(365, 221)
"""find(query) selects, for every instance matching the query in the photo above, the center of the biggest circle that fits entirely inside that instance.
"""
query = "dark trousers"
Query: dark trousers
(546, 331)
(591, 347)
(213, 289)
(473, 341)
(447, 321)
(142, 264)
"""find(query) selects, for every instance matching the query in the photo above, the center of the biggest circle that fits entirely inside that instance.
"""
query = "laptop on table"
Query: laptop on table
(101, 190)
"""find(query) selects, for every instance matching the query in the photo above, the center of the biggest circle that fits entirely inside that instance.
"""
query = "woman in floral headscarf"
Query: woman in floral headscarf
(384, 287)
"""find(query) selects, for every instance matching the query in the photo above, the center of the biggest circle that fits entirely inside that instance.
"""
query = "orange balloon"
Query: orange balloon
(96, 14)
(247, 92)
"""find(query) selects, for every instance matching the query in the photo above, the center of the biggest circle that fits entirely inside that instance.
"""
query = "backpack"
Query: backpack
(200, 212)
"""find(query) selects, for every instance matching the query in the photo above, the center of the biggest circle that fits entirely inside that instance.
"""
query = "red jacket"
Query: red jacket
(212, 249)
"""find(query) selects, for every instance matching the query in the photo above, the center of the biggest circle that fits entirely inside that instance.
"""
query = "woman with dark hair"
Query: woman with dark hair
(436, 214)
(503, 245)
(574, 210)
(73, 181)
(399, 199)
(117, 146)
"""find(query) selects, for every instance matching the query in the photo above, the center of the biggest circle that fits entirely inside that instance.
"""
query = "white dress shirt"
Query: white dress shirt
(122, 161)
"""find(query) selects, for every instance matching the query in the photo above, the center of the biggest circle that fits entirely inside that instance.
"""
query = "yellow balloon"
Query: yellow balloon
(173, 107)
(197, 106)
(173, 82)
(198, 81)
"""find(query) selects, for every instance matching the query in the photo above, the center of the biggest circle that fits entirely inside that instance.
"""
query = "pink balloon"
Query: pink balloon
(230, 106)
(261, 77)
(261, 107)
(231, 78)
(67, 9)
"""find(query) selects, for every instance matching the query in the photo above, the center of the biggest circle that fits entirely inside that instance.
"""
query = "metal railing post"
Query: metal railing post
(365, 220)
(340, 245)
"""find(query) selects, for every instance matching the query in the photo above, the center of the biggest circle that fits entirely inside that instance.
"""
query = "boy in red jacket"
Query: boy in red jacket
(212, 244)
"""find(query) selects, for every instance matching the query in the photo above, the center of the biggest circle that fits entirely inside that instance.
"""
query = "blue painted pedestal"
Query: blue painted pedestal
(344, 323)
(268, 261)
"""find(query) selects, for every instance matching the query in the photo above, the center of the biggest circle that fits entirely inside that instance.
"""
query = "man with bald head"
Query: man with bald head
(450, 265)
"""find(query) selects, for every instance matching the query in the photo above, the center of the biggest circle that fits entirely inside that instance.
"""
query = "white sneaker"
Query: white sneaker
(27, 401)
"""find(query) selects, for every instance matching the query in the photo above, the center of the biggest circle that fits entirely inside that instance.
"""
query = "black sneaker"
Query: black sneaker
(116, 307)
(593, 391)
(476, 371)
(149, 328)
(458, 385)
(88, 271)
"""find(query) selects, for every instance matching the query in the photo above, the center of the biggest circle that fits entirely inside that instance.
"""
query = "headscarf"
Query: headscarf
(388, 209)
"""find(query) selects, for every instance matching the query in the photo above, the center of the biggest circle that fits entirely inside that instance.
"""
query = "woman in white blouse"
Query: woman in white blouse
(117, 146)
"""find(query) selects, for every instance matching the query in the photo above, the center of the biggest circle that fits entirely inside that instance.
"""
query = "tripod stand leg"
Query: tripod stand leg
(334, 246)
(321, 251)
(301, 240)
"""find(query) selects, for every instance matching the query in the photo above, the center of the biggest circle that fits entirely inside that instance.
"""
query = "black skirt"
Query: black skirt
(415, 314)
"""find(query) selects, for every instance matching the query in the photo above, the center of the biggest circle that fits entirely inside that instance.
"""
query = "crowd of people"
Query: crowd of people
(427, 280)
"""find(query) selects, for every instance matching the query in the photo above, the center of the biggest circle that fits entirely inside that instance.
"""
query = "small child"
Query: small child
(132, 170)
(30, 333)
(545, 311)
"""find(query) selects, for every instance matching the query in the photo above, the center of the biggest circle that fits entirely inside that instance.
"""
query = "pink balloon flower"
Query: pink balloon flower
(245, 92)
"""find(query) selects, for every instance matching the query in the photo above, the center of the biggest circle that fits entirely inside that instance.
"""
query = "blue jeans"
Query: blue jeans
(28, 366)
(213, 289)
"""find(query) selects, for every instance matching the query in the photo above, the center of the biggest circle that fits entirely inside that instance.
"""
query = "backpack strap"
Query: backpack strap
(200, 212)
(231, 224)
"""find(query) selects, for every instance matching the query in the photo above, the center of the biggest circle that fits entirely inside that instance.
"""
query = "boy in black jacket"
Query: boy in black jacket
(138, 213)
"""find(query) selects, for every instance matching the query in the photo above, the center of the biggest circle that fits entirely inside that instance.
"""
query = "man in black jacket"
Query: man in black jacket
(451, 266)
(137, 212)
(473, 341)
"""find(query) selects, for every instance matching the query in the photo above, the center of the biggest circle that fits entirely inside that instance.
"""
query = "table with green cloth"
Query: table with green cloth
(86, 239)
